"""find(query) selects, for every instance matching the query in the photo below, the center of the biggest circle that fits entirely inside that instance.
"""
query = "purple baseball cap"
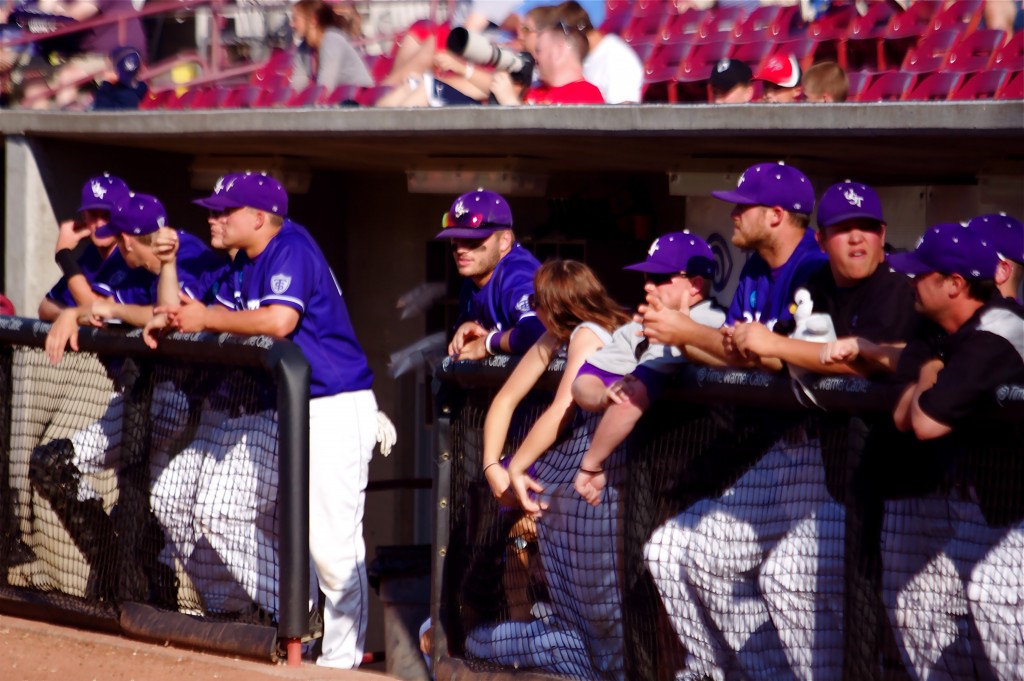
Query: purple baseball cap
(772, 184)
(127, 64)
(1005, 233)
(253, 190)
(103, 192)
(848, 201)
(678, 252)
(949, 248)
(137, 215)
(476, 215)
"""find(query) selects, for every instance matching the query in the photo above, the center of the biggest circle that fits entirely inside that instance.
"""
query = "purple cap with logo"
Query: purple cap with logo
(678, 252)
(1005, 233)
(253, 190)
(476, 215)
(848, 201)
(949, 248)
(127, 63)
(137, 215)
(772, 184)
(103, 192)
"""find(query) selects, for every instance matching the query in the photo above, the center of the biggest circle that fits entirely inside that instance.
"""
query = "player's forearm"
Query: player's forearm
(882, 356)
(807, 355)
(81, 291)
(134, 315)
(266, 321)
(615, 426)
(167, 286)
(522, 336)
(703, 344)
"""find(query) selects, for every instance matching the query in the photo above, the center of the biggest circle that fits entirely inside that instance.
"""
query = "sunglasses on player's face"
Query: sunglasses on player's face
(218, 214)
(659, 278)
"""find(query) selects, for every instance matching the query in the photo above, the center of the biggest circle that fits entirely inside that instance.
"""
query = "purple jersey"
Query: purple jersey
(764, 295)
(505, 298)
(292, 271)
(99, 272)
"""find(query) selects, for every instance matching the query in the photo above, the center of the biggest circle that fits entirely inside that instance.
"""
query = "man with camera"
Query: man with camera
(561, 48)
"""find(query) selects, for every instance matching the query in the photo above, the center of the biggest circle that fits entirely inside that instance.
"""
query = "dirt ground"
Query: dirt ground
(36, 651)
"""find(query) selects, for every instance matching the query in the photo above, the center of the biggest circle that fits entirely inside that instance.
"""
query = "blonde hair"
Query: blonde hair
(829, 78)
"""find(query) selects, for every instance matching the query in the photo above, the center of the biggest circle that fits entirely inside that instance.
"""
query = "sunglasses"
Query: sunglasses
(470, 220)
(659, 279)
(218, 214)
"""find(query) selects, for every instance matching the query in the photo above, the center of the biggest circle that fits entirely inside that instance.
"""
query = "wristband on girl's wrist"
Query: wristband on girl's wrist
(493, 463)
(469, 71)
(591, 472)
(489, 343)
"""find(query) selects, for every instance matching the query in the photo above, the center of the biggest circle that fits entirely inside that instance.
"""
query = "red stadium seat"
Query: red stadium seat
(241, 97)
(339, 95)
(935, 86)
(766, 23)
(981, 85)
(720, 24)
(158, 99)
(975, 52)
(904, 30)
(698, 64)
(306, 97)
(644, 48)
(859, 80)
(368, 96)
(804, 49)
(962, 15)
(380, 66)
(830, 30)
(1014, 88)
(663, 63)
(646, 21)
(278, 64)
(685, 25)
(617, 14)
(860, 49)
(888, 87)
(930, 53)
(1011, 55)
(751, 54)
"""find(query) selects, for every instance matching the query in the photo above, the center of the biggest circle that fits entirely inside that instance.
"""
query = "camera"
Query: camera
(478, 50)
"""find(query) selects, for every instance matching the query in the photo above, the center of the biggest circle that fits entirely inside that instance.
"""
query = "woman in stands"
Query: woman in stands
(325, 56)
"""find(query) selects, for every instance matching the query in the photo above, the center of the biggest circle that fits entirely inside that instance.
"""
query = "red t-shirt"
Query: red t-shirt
(577, 92)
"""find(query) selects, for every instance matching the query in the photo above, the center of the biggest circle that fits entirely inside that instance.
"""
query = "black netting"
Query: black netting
(143, 480)
(743, 537)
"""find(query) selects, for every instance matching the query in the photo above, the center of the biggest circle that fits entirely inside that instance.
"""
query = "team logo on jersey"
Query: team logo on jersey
(98, 190)
(853, 198)
(279, 283)
(524, 304)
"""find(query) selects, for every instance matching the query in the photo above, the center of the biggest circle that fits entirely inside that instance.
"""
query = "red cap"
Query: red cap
(782, 70)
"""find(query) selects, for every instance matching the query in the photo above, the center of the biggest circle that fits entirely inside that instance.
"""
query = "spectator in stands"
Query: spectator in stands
(958, 553)
(1005, 16)
(561, 48)
(629, 373)
(61, 88)
(730, 82)
(325, 56)
(495, 316)
(611, 64)
(780, 77)
(826, 82)
(87, 270)
(122, 89)
(772, 209)
(1006, 234)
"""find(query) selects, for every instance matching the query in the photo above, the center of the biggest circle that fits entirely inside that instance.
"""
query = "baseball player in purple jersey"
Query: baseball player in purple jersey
(280, 284)
(952, 560)
(710, 586)
(494, 308)
(773, 206)
(88, 268)
(1006, 234)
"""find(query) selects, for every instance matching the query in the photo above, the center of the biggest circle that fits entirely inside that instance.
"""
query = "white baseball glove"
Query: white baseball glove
(386, 434)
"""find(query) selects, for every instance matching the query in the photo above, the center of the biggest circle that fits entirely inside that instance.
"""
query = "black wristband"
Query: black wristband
(67, 263)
